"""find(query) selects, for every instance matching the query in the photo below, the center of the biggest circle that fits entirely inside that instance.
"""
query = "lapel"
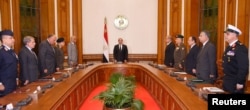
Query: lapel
(51, 48)
(202, 49)
(191, 49)
(31, 54)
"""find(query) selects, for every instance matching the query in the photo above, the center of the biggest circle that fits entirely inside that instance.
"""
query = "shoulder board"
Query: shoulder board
(239, 43)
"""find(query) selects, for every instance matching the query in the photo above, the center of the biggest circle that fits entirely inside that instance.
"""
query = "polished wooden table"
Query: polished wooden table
(70, 93)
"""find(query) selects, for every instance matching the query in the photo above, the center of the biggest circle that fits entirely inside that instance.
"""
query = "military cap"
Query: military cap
(233, 29)
(179, 36)
(60, 40)
(6, 32)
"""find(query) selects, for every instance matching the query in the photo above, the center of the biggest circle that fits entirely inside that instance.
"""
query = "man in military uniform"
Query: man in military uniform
(235, 62)
(179, 53)
(8, 63)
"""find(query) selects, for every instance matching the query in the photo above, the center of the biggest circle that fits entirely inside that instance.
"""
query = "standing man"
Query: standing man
(235, 62)
(169, 52)
(47, 56)
(179, 53)
(206, 59)
(8, 63)
(60, 53)
(120, 52)
(191, 58)
(29, 69)
(72, 52)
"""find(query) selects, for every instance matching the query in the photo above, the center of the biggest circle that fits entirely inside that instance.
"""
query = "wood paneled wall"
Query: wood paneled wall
(191, 21)
(227, 14)
(239, 17)
(10, 15)
(62, 17)
(47, 18)
(77, 26)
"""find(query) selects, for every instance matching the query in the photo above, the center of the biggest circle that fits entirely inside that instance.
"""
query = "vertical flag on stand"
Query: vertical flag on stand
(105, 58)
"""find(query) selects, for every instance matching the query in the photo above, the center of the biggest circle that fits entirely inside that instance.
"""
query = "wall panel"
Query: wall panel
(63, 18)
(175, 17)
(77, 26)
(6, 15)
(47, 19)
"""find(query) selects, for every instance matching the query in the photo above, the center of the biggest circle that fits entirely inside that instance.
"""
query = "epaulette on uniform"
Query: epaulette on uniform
(239, 43)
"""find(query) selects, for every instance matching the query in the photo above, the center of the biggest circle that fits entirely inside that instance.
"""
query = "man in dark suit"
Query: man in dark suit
(179, 53)
(47, 57)
(169, 52)
(191, 58)
(206, 59)
(29, 69)
(8, 63)
(120, 52)
(235, 62)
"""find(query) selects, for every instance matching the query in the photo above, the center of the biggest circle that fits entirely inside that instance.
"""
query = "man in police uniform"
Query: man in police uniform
(179, 53)
(8, 63)
(235, 62)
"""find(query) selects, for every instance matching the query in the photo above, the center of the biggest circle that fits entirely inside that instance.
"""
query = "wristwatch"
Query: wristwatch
(121, 22)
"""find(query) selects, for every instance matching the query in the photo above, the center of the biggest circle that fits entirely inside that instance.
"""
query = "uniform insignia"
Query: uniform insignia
(239, 43)
(230, 53)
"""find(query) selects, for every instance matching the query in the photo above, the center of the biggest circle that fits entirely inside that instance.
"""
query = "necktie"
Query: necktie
(33, 53)
(53, 49)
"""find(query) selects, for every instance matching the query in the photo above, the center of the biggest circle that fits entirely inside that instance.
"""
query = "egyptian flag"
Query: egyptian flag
(105, 58)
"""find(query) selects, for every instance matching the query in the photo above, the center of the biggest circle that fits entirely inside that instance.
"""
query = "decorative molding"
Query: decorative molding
(131, 57)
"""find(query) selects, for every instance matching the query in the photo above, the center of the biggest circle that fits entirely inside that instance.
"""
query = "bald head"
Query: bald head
(169, 38)
(73, 39)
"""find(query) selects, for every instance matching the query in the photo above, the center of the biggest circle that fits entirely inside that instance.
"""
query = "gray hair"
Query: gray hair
(27, 39)
(206, 33)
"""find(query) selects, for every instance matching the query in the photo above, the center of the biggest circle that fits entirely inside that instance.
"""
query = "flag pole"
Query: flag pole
(106, 44)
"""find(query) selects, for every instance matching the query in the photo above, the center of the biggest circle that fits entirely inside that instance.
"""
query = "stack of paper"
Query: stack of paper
(213, 89)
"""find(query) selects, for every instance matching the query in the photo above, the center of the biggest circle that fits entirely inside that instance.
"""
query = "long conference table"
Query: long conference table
(70, 93)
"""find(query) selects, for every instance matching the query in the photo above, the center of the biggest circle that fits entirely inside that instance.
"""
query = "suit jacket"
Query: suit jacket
(47, 58)
(179, 56)
(206, 63)
(120, 55)
(29, 69)
(235, 64)
(59, 57)
(169, 55)
(8, 70)
(72, 54)
(191, 59)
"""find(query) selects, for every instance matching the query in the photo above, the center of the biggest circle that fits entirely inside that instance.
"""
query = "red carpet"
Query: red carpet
(140, 93)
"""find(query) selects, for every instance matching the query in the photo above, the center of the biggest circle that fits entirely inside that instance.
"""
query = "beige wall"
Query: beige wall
(140, 35)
